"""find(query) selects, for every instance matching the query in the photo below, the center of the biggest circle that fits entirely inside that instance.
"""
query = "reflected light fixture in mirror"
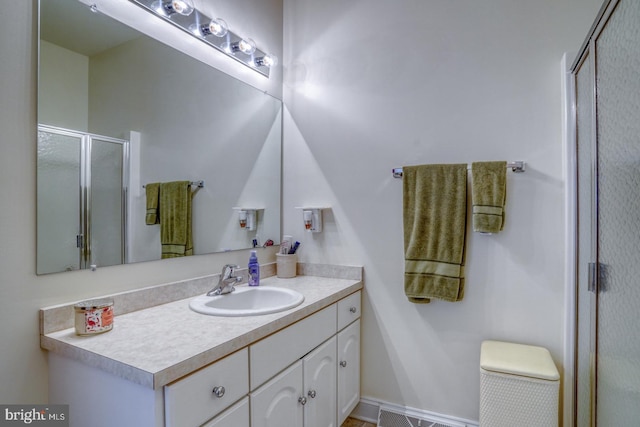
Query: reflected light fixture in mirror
(185, 16)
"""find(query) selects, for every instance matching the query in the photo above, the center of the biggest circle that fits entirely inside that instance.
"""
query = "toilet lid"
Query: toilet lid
(518, 359)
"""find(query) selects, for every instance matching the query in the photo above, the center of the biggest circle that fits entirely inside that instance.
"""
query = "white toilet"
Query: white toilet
(519, 386)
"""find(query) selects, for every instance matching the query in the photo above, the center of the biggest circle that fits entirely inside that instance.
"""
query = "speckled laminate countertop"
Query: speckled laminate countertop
(158, 345)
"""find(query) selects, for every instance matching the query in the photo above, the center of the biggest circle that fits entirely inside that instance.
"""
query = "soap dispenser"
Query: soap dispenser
(254, 269)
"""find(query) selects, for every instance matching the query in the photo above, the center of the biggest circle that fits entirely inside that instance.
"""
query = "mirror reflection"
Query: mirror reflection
(118, 111)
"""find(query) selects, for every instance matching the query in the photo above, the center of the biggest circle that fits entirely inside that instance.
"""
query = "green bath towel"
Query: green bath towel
(175, 219)
(435, 220)
(153, 200)
(489, 193)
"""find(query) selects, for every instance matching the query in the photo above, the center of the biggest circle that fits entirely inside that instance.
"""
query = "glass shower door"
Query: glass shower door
(617, 50)
(608, 262)
(59, 201)
(107, 202)
(81, 200)
(585, 298)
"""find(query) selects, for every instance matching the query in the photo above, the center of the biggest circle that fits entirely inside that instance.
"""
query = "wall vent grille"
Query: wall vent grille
(388, 417)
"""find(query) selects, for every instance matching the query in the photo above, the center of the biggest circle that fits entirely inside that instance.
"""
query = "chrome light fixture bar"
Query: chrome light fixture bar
(212, 31)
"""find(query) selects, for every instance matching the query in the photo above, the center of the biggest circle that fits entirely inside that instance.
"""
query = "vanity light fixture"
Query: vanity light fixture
(214, 32)
(169, 7)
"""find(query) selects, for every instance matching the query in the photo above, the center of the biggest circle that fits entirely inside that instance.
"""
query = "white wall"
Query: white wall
(23, 367)
(483, 83)
(64, 88)
(373, 85)
(194, 125)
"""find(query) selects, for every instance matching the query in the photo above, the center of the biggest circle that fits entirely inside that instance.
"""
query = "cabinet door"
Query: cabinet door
(276, 403)
(236, 416)
(320, 381)
(348, 370)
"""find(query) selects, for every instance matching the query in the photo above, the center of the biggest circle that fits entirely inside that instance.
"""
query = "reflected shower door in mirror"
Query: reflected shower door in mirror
(81, 200)
(184, 120)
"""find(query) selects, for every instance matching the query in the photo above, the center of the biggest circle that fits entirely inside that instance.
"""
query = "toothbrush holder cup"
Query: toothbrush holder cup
(286, 265)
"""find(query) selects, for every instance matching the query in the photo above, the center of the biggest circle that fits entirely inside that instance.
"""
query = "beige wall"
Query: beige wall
(23, 367)
(373, 85)
(483, 83)
(64, 88)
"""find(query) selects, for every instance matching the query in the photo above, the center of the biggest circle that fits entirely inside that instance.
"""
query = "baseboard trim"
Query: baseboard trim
(367, 410)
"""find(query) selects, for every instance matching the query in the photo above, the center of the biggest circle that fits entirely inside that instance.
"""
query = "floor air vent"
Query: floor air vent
(391, 417)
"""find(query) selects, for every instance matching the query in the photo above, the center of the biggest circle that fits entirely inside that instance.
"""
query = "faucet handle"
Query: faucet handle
(229, 268)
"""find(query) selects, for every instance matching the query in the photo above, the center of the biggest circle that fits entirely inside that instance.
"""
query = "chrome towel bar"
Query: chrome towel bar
(517, 166)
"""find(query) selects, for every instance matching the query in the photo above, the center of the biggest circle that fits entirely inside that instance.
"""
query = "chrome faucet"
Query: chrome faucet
(226, 282)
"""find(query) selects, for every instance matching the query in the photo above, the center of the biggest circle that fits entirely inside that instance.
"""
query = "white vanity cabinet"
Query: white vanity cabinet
(321, 388)
(304, 375)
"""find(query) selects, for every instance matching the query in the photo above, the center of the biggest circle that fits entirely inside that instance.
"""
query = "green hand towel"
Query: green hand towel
(175, 219)
(489, 193)
(153, 199)
(435, 220)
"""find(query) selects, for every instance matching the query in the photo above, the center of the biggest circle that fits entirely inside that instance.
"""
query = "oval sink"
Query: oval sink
(247, 301)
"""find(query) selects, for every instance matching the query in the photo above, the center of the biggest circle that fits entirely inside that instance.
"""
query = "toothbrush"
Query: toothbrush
(294, 248)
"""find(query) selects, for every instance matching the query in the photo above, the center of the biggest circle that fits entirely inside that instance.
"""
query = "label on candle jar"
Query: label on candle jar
(93, 317)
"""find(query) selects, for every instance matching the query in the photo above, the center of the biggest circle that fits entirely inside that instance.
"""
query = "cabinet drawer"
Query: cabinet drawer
(191, 401)
(236, 416)
(276, 352)
(348, 309)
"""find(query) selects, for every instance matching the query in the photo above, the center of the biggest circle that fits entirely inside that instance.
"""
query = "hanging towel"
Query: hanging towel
(489, 193)
(153, 199)
(175, 219)
(435, 220)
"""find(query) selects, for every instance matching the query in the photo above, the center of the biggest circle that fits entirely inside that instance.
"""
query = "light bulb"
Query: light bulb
(169, 7)
(247, 46)
(266, 61)
(218, 27)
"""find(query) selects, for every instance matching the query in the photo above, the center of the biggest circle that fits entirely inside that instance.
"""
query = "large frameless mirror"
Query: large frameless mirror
(118, 110)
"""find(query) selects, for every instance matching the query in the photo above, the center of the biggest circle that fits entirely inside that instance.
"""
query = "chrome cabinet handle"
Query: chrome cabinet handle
(312, 394)
(343, 363)
(353, 310)
(219, 391)
(302, 400)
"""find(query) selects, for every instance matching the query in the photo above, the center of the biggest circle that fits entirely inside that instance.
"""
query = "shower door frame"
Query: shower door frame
(84, 189)
(588, 52)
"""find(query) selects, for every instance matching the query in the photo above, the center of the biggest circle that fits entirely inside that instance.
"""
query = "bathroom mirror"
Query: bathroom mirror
(118, 110)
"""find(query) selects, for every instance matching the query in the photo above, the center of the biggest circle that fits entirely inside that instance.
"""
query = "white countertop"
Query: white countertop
(158, 345)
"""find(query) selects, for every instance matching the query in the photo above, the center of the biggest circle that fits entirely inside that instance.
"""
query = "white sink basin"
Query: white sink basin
(247, 301)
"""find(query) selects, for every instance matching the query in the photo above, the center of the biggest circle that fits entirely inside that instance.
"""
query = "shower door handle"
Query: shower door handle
(597, 280)
(79, 241)
(591, 279)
